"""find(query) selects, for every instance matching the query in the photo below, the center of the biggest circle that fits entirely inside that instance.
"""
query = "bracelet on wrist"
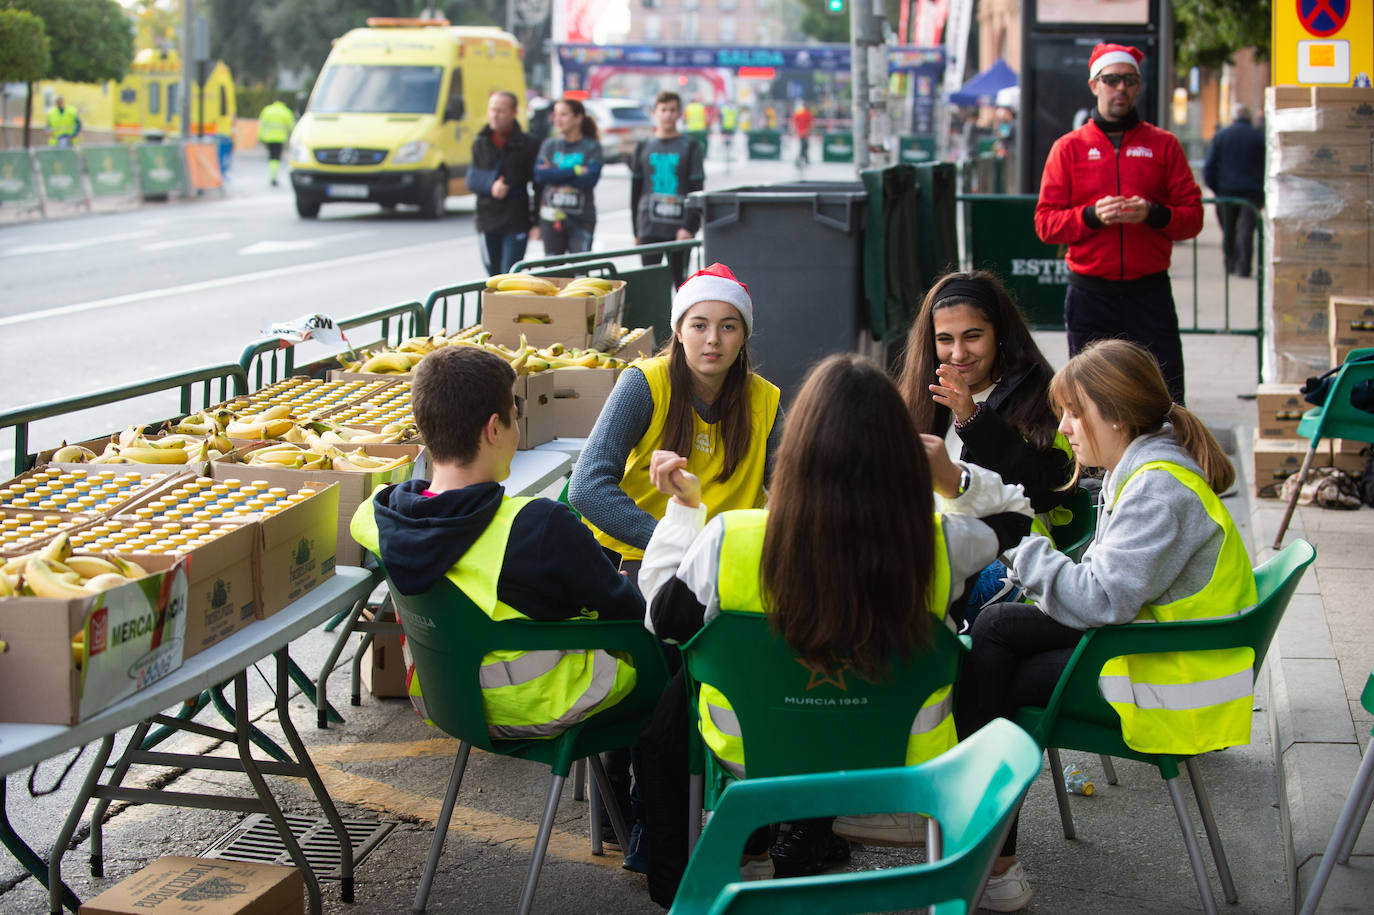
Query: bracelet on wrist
(977, 410)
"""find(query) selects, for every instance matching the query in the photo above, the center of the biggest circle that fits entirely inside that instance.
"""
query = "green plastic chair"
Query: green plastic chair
(973, 790)
(449, 635)
(1351, 821)
(1337, 418)
(844, 723)
(1078, 718)
(1073, 538)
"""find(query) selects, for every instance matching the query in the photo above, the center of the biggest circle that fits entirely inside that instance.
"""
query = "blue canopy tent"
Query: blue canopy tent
(983, 88)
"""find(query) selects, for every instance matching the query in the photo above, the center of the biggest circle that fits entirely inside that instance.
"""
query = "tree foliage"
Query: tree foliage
(237, 38)
(90, 41)
(1208, 32)
(23, 47)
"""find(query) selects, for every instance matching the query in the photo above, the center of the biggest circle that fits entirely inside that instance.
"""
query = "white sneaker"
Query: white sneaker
(1008, 891)
(756, 868)
(907, 830)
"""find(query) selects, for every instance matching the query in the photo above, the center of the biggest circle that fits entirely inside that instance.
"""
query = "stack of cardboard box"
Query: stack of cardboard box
(1317, 219)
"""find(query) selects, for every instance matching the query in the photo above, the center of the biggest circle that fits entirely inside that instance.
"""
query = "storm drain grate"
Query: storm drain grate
(255, 839)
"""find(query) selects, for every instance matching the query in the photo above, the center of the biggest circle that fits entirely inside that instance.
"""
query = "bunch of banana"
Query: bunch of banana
(54, 571)
(273, 422)
(72, 454)
(390, 362)
(205, 422)
(322, 432)
(132, 447)
(587, 286)
(520, 284)
(360, 460)
(288, 455)
(323, 457)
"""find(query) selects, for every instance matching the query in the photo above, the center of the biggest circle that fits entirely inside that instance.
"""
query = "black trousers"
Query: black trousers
(677, 260)
(1146, 317)
(1018, 656)
(1238, 234)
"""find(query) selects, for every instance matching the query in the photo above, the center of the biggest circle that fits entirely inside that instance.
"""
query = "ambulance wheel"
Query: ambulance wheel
(432, 206)
(307, 207)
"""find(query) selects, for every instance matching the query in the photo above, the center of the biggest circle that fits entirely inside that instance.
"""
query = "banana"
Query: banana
(400, 461)
(533, 319)
(277, 427)
(91, 566)
(518, 363)
(331, 437)
(78, 642)
(388, 364)
(244, 430)
(59, 549)
(527, 284)
(43, 582)
(105, 582)
(6, 586)
(280, 411)
(72, 454)
(533, 365)
(127, 567)
(494, 282)
(596, 282)
(129, 436)
(317, 462)
(145, 455)
(293, 435)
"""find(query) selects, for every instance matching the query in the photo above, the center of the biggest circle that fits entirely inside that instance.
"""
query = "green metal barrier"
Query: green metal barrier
(837, 147)
(232, 383)
(1000, 234)
(265, 362)
(110, 170)
(914, 149)
(17, 187)
(765, 144)
(161, 169)
(59, 171)
(437, 312)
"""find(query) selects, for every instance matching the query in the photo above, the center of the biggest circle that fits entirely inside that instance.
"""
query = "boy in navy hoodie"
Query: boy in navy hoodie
(531, 557)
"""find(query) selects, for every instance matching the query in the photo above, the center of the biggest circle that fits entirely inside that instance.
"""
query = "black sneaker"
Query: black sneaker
(809, 848)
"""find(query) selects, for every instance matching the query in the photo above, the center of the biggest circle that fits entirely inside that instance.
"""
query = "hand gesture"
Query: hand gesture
(668, 472)
(944, 473)
(499, 188)
(1134, 209)
(952, 391)
(1108, 210)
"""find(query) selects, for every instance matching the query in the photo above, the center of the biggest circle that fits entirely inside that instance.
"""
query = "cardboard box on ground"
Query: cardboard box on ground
(1279, 407)
(1278, 458)
(179, 886)
(384, 669)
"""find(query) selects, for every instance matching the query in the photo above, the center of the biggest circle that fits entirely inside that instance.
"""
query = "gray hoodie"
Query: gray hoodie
(1154, 545)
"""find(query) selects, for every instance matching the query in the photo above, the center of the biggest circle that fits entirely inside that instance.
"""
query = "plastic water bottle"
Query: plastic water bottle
(1076, 781)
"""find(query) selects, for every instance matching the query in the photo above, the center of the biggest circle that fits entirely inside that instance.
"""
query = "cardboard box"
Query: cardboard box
(19, 535)
(384, 669)
(221, 597)
(1299, 324)
(1324, 243)
(1352, 321)
(1279, 407)
(354, 486)
(1309, 287)
(575, 321)
(133, 635)
(204, 886)
(1347, 446)
(1343, 108)
(307, 396)
(539, 424)
(578, 396)
(297, 549)
(1350, 462)
(1296, 363)
(1320, 153)
(1320, 200)
(122, 484)
(1276, 459)
(1281, 97)
(639, 343)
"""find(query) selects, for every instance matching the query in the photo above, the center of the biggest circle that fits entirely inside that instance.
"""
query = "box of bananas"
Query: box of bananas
(305, 396)
(81, 631)
(582, 312)
(137, 447)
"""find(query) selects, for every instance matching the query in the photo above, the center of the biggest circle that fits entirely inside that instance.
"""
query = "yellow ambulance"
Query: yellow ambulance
(394, 112)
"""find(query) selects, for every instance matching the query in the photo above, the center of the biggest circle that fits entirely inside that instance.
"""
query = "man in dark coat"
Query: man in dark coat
(1235, 168)
(501, 173)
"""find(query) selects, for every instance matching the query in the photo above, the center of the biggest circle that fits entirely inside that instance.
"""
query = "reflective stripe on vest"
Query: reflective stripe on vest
(706, 458)
(1188, 702)
(525, 694)
(740, 590)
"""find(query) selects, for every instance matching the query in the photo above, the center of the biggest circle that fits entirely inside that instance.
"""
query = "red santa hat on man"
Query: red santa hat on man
(1104, 55)
(716, 283)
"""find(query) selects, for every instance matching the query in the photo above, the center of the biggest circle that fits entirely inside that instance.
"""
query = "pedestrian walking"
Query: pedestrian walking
(500, 174)
(1119, 193)
(64, 124)
(1235, 168)
(664, 169)
(275, 123)
(566, 173)
(802, 119)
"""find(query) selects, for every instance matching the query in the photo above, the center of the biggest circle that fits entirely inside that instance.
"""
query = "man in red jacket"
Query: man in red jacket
(1119, 192)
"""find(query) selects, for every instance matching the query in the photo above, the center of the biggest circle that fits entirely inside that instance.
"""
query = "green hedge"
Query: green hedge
(252, 99)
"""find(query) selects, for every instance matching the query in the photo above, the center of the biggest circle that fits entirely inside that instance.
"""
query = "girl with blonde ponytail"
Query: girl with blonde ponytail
(1165, 549)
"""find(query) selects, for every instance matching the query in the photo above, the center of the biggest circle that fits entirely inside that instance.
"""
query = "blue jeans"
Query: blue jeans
(501, 252)
(566, 237)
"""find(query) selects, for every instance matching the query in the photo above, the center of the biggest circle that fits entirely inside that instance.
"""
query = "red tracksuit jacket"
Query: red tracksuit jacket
(1084, 167)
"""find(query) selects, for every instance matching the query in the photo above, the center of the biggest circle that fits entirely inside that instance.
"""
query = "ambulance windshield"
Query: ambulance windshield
(357, 88)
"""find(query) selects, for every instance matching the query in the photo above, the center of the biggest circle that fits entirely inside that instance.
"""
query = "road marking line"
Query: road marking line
(54, 247)
(182, 242)
(492, 828)
(278, 246)
(226, 281)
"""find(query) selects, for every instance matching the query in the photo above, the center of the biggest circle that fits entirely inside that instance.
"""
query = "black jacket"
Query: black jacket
(519, 209)
(991, 442)
(1235, 161)
(553, 568)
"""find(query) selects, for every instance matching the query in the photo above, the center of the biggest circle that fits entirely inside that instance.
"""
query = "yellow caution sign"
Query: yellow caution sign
(1323, 42)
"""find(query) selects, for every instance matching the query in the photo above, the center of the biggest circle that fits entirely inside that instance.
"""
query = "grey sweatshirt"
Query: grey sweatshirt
(1154, 544)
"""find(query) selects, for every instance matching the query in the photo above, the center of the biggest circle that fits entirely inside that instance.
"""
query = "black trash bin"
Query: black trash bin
(799, 248)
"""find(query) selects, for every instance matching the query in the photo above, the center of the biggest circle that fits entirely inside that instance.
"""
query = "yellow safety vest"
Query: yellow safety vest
(1188, 702)
(695, 116)
(61, 124)
(275, 122)
(525, 694)
(739, 585)
(744, 489)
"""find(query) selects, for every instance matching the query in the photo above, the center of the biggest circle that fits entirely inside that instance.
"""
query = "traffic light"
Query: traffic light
(835, 6)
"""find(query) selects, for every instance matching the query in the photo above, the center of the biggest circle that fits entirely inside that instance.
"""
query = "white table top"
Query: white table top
(572, 447)
(533, 470)
(22, 745)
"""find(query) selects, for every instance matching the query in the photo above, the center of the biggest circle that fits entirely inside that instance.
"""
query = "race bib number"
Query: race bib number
(567, 199)
(667, 207)
(551, 214)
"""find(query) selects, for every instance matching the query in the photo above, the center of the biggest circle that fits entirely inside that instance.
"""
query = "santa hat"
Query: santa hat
(1104, 55)
(714, 284)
